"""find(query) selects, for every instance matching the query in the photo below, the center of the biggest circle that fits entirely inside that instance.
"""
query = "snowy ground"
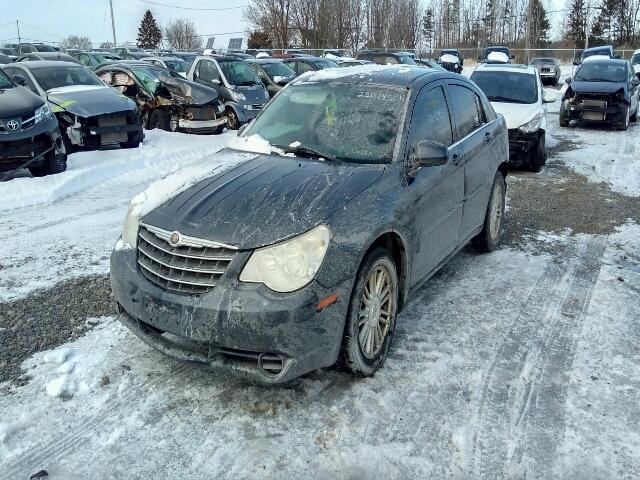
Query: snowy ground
(517, 364)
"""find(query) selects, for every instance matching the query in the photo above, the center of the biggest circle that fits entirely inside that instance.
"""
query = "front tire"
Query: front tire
(233, 123)
(371, 316)
(624, 125)
(538, 155)
(159, 119)
(54, 163)
(564, 118)
(489, 238)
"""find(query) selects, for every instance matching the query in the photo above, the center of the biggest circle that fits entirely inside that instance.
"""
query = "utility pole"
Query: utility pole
(528, 39)
(113, 24)
(18, 27)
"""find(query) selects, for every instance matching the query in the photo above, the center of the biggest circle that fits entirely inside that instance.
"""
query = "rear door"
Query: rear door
(474, 133)
(437, 192)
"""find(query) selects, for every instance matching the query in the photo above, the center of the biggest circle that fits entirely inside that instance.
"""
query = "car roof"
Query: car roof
(36, 64)
(595, 49)
(390, 75)
(604, 61)
(262, 61)
(506, 67)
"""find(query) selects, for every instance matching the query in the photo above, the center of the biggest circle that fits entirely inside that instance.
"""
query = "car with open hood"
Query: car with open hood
(273, 72)
(347, 192)
(516, 92)
(91, 115)
(451, 59)
(29, 133)
(602, 90)
(166, 100)
(239, 87)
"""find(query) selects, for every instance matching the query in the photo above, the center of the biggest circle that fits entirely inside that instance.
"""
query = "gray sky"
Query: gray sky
(52, 20)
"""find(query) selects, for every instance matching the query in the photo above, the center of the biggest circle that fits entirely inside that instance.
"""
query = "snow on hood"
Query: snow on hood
(74, 88)
(361, 70)
(499, 57)
(254, 144)
(449, 58)
(592, 58)
(517, 114)
(172, 185)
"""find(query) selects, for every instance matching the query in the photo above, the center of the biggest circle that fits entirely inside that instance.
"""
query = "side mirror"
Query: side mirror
(635, 82)
(215, 81)
(576, 63)
(429, 154)
(20, 80)
(512, 57)
(479, 58)
(549, 96)
(567, 80)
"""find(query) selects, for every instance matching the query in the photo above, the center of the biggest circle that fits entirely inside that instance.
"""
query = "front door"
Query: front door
(437, 192)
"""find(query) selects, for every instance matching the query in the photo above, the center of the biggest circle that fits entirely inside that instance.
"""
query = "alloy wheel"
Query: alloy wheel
(496, 212)
(377, 306)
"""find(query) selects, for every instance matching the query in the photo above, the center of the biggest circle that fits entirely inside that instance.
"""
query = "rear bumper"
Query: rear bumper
(236, 326)
(30, 146)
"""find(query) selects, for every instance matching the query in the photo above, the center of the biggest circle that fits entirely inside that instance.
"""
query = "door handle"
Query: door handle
(456, 158)
(488, 137)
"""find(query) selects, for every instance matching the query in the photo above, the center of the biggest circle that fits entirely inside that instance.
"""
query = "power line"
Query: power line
(42, 31)
(177, 7)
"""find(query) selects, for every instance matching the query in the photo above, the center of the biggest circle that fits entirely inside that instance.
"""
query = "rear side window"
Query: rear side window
(304, 67)
(431, 120)
(465, 105)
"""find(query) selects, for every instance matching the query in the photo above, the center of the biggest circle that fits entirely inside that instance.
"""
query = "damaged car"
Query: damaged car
(91, 115)
(29, 133)
(339, 200)
(602, 90)
(165, 99)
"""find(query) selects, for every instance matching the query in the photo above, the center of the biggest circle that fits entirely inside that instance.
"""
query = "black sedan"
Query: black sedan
(91, 115)
(273, 73)
(602, 90)
(301, 258)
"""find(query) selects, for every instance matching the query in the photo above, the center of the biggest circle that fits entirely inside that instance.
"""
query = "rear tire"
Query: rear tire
(54, 163)
(159, 118)
(371, 317)
(538, 155)
(489, 238)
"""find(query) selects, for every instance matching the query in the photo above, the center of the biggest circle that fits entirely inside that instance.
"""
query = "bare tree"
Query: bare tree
(181, 34)
(73, 41)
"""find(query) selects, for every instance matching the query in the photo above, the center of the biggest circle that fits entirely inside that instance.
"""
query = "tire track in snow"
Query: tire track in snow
(521, 413)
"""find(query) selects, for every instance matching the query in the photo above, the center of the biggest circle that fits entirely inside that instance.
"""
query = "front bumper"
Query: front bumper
(521, 146)
(243, 328)
(451, 67)
(31, 146)
(246, 112)
(609, 111)
(106, 130)
(201, 124)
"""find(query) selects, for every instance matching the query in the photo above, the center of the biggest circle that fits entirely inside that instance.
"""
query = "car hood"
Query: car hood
(517, 114)
(264, 200)
(88, 101)
(254, 94)
(17, 101)
(192, 92)
(595, 87)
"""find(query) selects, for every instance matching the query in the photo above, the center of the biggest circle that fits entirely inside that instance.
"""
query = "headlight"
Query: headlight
(289, 265)
(456, 65)
(130, 229)
(532, 125)
(238, 97)
(43, 113)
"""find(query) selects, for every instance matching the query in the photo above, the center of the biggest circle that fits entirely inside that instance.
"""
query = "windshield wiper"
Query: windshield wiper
(306, 152)
(498, 98)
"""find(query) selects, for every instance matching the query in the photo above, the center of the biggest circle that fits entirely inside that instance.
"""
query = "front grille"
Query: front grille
(115, 121)
(201, 113)
(449, 66)
(194, 267)
(26, 148)
(26, 121)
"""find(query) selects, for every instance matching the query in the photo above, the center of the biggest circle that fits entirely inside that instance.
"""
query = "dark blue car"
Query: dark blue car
(298, 259)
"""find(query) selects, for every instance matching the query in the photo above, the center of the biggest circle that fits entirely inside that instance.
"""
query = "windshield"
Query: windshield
(543, 61)
(278, 69)
(150, 76)
(5, 82)
(57, 77)
(601, 72)
(504, 50)
(239, 73)
(406, 59)
(324, 64)
(45, 48)
(507, 87)
(104, 57)
(353, 123)
(177, 65)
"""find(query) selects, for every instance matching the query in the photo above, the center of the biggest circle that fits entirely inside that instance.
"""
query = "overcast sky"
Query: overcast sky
(52, 20)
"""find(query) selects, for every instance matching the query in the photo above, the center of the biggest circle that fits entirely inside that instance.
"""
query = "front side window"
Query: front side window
(239, 73)
(304, 67)
(406, 60)
(324, 64)
(207, 71)
(354, 123)
(507, 87)
(465, 107)
(601, 72)
(431, 119)
(278, 69)
(5, 81)
(57, 77)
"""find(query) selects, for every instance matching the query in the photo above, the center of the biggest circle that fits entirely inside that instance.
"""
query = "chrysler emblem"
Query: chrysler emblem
(174, 239)
(13, 125)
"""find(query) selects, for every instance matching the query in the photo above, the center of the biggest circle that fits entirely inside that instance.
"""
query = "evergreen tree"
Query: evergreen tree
(428, 27)
(149, 35)
(540, 24)
(576, 23)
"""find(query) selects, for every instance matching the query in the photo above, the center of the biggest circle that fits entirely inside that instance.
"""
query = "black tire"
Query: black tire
(352, 355)
(233, 123)
(538, 155)
(218, 130)
(489, 238)
(634, 118)
(159, 118)
(54, 163)
(135, 141)
(624, 124)
(564, 118)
